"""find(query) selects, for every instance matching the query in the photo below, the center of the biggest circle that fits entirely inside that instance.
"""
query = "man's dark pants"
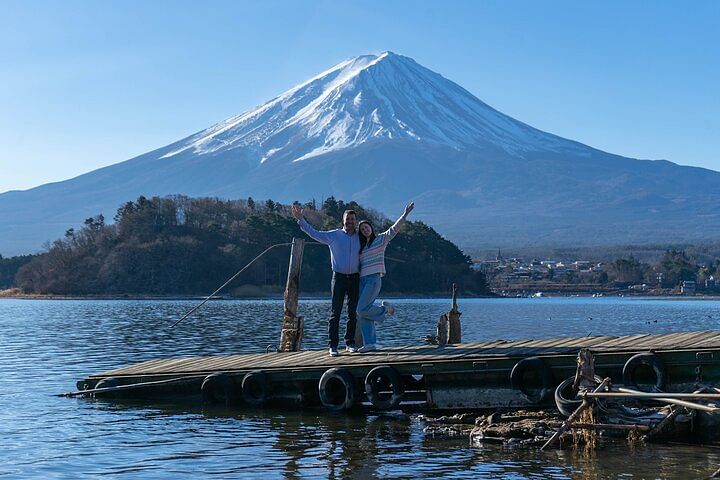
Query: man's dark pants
(343, 286)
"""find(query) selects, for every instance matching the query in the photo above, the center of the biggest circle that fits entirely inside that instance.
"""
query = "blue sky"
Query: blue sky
(89, 84)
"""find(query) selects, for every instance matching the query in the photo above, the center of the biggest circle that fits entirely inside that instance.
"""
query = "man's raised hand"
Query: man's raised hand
(297, 212)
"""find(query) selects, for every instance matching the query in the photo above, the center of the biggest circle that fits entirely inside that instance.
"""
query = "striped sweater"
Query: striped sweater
(372, 257)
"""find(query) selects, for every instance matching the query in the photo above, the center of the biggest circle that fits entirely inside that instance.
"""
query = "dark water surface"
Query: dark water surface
(45, 346)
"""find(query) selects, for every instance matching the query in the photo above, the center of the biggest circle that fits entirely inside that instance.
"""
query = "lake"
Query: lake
(46, 345)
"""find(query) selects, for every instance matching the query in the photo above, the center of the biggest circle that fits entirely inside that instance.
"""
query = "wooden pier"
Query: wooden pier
(493, 374)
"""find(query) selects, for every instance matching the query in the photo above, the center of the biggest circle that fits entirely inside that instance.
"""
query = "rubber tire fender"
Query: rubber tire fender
(393, 378)
(255, 388)
(568, 405)
(518, 383)
(218, 389)
(649, 359)
(348, 383)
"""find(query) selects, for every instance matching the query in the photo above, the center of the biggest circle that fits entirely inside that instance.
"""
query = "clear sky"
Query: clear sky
(89, 84)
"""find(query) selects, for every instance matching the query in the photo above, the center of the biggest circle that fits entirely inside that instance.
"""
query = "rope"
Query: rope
(228, 281)
(192, 310)
(130, 386)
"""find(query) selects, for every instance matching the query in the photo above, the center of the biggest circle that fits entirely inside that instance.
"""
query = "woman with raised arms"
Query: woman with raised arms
(372, 269)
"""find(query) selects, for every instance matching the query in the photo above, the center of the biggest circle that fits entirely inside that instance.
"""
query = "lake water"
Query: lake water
(45, 346)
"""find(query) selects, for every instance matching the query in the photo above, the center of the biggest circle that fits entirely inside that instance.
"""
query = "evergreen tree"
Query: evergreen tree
(181, 245)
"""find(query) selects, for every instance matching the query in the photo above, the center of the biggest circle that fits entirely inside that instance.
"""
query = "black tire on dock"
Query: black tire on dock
(255, 388)
(218, 389)
(106, 383)
(565, 398)
(537, 365)
(647, 359)
(337, 389)
(377, 383)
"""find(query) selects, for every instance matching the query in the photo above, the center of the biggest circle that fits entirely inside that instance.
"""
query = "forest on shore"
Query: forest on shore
(179, 245)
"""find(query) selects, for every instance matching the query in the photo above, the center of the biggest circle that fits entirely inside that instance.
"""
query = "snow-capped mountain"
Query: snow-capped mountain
(382, 129)
(367, 98)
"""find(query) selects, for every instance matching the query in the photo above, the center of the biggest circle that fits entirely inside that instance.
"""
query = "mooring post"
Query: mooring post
(448, 326)
(454, 328)
(442, 330)
(292, 326)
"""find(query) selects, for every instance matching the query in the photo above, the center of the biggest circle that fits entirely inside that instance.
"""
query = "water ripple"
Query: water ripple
(45, 346)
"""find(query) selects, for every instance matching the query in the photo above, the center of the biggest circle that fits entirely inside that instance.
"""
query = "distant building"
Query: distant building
(711, 283)
(687, 287)
(581, 265)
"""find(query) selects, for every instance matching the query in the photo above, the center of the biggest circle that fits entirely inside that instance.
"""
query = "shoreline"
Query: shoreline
(326, 295)
(278, 296)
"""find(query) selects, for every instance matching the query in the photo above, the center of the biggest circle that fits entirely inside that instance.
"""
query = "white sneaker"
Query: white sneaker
(389, 309)
(351, 349)
(367, 348)
(334, 352)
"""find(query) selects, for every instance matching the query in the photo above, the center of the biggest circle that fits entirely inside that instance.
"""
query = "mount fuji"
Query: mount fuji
(382, 130)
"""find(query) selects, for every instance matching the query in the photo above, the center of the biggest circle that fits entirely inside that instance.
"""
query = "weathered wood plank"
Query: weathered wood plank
(419, 354)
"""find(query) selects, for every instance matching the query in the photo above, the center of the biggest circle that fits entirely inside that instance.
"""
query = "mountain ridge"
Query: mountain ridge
(383, 129)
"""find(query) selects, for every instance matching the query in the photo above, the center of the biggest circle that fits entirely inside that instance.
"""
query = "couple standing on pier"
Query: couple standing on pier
(357, 256)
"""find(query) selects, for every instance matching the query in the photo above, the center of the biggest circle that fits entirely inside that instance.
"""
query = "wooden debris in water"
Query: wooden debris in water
(585, 436)
(521, 428)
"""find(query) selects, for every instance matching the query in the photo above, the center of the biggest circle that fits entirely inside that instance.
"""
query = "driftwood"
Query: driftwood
(662, 424)
(611, 426)
(567, 424)
(292, 326)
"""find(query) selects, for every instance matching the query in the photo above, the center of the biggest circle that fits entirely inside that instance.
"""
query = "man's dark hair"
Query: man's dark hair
(349, 212)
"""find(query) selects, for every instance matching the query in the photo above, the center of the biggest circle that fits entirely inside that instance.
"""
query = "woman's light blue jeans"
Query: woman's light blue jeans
(368, 313)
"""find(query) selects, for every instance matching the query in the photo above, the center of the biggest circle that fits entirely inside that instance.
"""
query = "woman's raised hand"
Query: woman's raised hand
(297, 212)
(408, 209)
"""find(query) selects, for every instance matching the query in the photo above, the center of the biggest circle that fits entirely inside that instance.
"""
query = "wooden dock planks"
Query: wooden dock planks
(422, 354)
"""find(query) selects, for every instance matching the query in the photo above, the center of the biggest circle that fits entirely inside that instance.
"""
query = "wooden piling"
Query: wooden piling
(292, 326)
(454, 328)
(442, 329)
(585, 371)
(449, 330)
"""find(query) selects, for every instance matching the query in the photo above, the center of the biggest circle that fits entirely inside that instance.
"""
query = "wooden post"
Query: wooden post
(585, 371)
(454, 328)
(442, 330)
(292, 327)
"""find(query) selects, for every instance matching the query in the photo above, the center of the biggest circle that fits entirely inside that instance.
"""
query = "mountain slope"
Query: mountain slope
(382, 129)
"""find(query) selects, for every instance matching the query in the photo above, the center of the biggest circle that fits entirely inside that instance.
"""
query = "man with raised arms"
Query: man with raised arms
(344, 246)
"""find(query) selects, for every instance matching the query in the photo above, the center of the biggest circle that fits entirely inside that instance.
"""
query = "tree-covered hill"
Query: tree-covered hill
(190, 246)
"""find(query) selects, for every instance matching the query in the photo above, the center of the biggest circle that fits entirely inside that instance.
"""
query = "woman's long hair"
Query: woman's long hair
(364, 241)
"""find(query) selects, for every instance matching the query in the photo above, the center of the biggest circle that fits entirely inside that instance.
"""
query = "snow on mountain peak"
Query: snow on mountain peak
(368, 98)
